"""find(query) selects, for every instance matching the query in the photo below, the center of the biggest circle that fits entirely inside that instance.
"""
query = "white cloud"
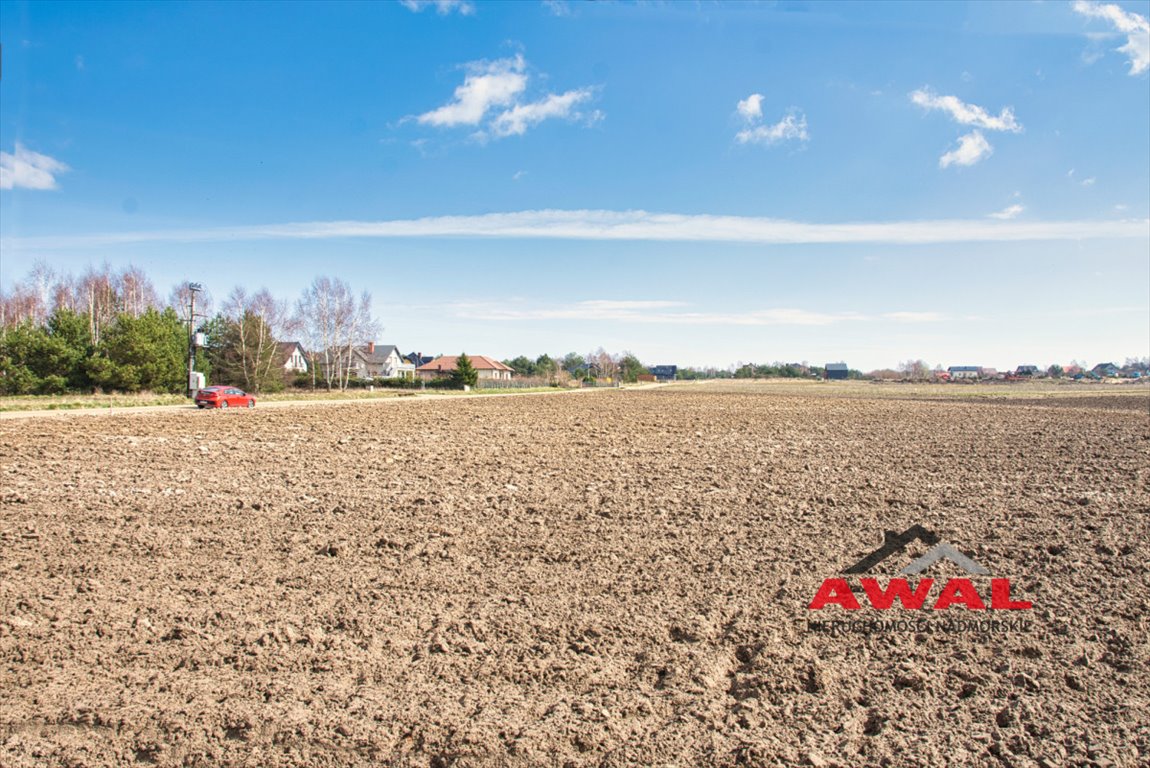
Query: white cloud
(1007, 213)
(487, 85)
(751, 108)
(971, 148)
(665, 313)
(967, 114)
(518, 175)
(793, 126)
(442, 7)
(558, 7)
(1089, 182)
(500, 85)
(1135, 27)
(25, 169)
(627, 226)
(516, 121)
(646, 312)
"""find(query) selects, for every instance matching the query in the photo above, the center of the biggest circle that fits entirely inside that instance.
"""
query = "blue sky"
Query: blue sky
(698, 183)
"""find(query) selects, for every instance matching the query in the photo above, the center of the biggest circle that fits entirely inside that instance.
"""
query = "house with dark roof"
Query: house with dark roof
(964, 372)
(380, 362)
(444, 365)
(418, 358)
(665, 372)
(1105, 370)
(1026, 370)
(836, 371)
(293, 356)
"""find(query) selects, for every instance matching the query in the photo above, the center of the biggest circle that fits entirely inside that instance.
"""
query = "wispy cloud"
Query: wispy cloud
(966, 114)
(1090, 182)
(499, 86)
(25, 169)
(516, 121)
(442, 7)
(626, 226)
(1007, 213)
(665, 313)
(793, 126)
(1135, 27)
(487, 84)
(557, 7)
(971, 148)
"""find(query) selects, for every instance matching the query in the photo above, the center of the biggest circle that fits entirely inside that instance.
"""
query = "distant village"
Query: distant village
(108, 331)
(371, 362)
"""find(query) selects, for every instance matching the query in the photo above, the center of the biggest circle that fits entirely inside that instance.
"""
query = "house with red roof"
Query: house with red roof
(444, 365)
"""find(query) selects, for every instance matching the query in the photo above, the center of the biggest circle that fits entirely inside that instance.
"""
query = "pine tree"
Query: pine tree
(465, 373)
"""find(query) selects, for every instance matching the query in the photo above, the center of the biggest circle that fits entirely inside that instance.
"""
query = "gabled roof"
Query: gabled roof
(964, 368)
(382, 352)
(478, 362)
(836, 367)
(286, 348)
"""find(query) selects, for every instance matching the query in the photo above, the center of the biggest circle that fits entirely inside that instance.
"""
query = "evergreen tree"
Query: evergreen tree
(45, 360)
(630, 368)
(148, 352)
(464, 373)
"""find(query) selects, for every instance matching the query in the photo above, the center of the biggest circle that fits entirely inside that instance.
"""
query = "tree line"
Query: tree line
(598, 364)
(108, 330)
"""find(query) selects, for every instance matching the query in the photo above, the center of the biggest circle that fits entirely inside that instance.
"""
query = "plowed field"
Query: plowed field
(614, 578)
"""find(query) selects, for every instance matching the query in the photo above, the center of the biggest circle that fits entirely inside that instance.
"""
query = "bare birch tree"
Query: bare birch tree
(251, 349)
(136, 292)
(333, 323)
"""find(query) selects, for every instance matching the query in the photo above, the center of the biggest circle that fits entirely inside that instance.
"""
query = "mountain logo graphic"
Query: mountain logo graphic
(896, 543)
(957, 592)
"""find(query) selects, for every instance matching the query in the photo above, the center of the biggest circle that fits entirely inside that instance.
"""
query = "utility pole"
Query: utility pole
(193, 288)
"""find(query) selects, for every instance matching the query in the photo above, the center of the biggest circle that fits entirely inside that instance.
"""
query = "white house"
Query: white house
(382, 362)
(293, 356)
(964, 372)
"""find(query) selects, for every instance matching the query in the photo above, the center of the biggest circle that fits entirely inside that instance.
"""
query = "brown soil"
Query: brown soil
(613, 579)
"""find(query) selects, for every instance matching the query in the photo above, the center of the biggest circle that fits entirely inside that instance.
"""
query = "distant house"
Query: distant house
(444, 366)
(1026, 370)
(293, 356)
(665, 372)
(1105, 370)
(964, 372)
(418, 358)
(380, 362)
(836, 371)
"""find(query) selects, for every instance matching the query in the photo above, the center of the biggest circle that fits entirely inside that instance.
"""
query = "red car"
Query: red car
(224, 397)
